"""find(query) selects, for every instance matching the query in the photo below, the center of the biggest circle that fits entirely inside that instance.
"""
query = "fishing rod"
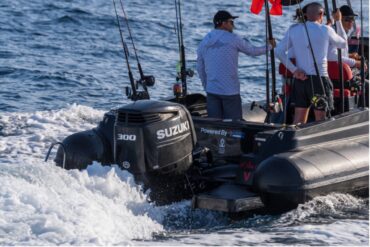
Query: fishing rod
(177, 28)
(182, 52)
(267, 23)
(125, 50)
(183, 73)
(277, 101)
(340, 62)
(327, 12)
(362, 58)
(144, 80)
(272, 53)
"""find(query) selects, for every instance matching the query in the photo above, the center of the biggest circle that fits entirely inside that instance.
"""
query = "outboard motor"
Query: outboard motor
(154, 141)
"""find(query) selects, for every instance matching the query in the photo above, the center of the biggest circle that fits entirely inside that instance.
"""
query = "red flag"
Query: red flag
(257, 6)
(276, 9)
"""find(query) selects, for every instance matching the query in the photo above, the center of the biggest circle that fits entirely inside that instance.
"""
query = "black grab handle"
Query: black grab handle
(64, 152)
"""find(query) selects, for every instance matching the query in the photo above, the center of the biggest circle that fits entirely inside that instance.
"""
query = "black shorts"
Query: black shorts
(304, 91)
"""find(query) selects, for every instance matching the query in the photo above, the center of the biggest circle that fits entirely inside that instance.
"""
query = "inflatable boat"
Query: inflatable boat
(260, 161)
(231, 166)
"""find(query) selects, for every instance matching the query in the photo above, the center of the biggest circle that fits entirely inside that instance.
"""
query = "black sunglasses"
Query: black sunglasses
(322, 12)
(348, 18)
(231, 21)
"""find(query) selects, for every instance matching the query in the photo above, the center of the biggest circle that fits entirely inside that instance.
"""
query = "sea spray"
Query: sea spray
(44, 204)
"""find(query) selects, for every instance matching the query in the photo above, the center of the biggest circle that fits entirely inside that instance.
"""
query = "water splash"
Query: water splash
(44, 204)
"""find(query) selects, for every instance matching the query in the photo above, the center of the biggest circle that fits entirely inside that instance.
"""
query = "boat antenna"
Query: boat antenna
(125, 51)
(183, 73)
(340, 62)
(316, 100)
(144, 80)
(362, 58)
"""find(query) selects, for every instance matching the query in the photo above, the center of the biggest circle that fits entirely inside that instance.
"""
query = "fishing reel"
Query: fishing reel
(277, 105)
(273, 107)
(320, 102)
(140, 95)
(177, 89)
(255, 104)
(147, 80)
(189, 73)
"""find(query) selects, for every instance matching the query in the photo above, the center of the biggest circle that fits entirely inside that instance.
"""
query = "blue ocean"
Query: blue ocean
(62, 67)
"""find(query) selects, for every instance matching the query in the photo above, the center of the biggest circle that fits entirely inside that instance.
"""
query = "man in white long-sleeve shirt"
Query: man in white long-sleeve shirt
(217, 66)
(344, 23)
(307, 83)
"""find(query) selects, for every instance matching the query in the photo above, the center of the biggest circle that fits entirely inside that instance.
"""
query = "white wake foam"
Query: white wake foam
(44, 204)
(322, 221)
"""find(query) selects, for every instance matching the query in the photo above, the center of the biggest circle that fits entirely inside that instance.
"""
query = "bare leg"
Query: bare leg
(300, 115)
(319, 115)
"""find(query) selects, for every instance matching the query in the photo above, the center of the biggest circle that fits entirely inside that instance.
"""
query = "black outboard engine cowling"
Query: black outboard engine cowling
(154, 141)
